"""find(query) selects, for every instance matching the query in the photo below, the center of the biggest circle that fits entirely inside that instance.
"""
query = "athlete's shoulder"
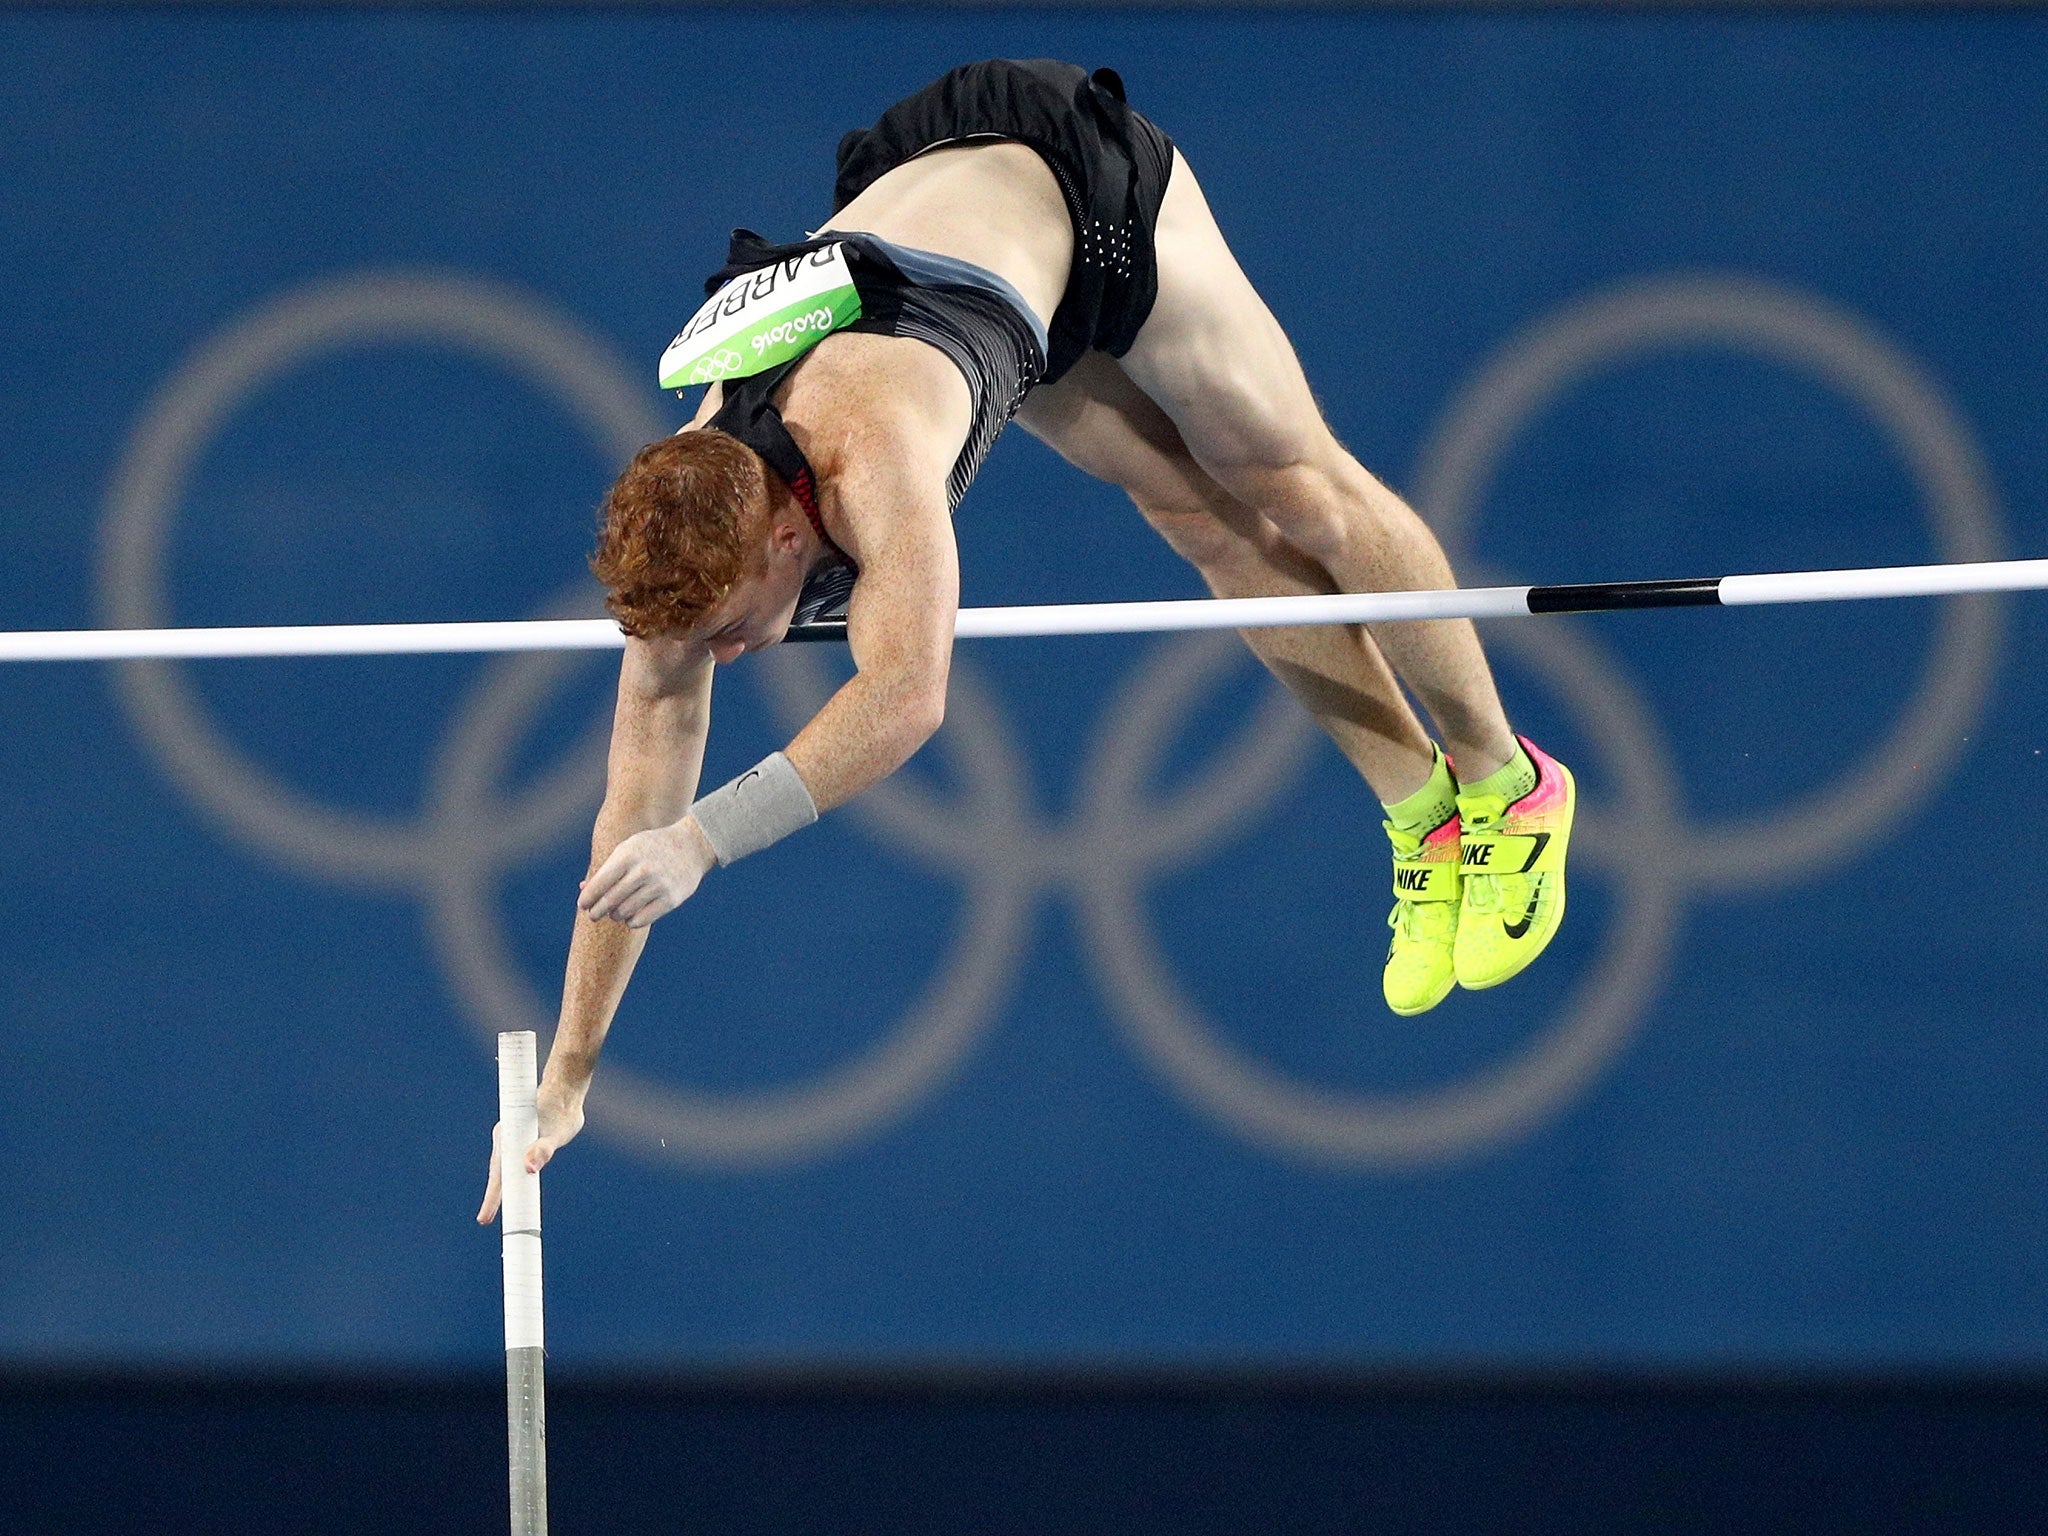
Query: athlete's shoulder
(859, 396)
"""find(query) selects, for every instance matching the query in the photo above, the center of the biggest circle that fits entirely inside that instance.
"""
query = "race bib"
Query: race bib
(763, 318)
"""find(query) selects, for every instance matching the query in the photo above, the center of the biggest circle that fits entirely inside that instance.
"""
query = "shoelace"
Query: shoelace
(1483, 815)
(1406, 844)
(1409, 919)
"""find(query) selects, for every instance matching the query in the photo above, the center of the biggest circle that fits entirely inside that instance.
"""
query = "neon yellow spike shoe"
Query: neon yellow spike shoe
(1513, 868)
(1420, 971)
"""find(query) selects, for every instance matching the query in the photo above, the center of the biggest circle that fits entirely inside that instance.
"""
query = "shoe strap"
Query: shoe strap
(1425, 880)
(1500, 853)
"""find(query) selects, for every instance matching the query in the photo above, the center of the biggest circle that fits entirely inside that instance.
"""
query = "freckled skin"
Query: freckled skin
(1207, 423)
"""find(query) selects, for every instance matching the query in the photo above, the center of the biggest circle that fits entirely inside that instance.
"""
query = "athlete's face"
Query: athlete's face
(757, 611)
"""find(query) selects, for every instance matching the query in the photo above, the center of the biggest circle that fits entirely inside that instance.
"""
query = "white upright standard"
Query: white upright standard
(519, 1218)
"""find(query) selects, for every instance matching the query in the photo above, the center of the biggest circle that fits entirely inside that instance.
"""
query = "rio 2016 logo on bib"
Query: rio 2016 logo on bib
(763, 318)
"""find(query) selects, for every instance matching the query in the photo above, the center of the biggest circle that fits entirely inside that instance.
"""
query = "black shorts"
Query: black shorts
(1112, 165)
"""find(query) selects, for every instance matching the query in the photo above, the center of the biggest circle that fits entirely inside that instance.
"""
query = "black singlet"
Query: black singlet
(972, 315)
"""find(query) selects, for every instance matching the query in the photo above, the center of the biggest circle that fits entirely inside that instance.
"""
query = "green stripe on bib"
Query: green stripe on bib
(763, 318)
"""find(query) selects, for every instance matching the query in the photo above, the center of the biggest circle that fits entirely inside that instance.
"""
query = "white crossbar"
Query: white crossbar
(1057, 618)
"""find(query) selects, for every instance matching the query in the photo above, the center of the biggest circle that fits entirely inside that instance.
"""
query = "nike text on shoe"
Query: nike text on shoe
(1420, 967)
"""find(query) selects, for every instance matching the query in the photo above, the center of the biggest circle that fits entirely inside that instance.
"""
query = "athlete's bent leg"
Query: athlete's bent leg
(1216, 361)
(1104, 425)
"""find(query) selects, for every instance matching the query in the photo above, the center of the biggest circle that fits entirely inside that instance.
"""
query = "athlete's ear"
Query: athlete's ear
(784, 537)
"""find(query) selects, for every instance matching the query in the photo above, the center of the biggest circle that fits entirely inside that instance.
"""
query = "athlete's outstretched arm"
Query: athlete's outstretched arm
(898, 530)
(658, 730)
(899, 626)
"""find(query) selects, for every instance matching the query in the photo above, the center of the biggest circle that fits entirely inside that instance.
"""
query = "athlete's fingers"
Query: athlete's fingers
(600, 884)
(658, 904)
(643, 889)
(489, 1209)
(622, 864)
(632, 905)
(617, 891)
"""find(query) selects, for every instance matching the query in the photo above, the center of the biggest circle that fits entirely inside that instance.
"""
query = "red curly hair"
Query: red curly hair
(686, 519)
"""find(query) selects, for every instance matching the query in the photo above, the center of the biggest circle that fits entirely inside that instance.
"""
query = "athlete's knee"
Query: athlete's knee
(1315, 509)
(1193, 529)
(1315, 513)
(1262, 457)
(1233, 428)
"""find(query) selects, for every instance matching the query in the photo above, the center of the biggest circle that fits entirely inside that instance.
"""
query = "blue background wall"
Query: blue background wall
(1773, 1098)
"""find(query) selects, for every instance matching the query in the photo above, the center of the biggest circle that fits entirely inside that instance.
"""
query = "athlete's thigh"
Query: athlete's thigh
(1101, 422)
(1104, 425)
(1211, 353)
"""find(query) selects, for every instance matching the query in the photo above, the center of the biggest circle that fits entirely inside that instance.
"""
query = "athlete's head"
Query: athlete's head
(699, 539)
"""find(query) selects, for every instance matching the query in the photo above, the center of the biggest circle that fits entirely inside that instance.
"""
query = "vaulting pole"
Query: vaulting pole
(526, 1420)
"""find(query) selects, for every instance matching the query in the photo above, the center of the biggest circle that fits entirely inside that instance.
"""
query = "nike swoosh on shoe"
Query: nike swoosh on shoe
(1516, 929)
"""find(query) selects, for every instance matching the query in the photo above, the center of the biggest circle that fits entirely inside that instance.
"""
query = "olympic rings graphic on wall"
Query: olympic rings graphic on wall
(1760, 320)
(1125, 834)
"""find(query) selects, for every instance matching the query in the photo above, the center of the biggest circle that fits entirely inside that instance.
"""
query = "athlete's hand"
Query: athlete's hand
(561, 1117)
(649, 874)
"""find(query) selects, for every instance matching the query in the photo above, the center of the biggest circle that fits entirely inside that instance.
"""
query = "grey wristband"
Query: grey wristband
(762, 806)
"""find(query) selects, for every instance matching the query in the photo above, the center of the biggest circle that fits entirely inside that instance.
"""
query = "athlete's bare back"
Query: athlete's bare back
(857, 395)
(994, 204)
